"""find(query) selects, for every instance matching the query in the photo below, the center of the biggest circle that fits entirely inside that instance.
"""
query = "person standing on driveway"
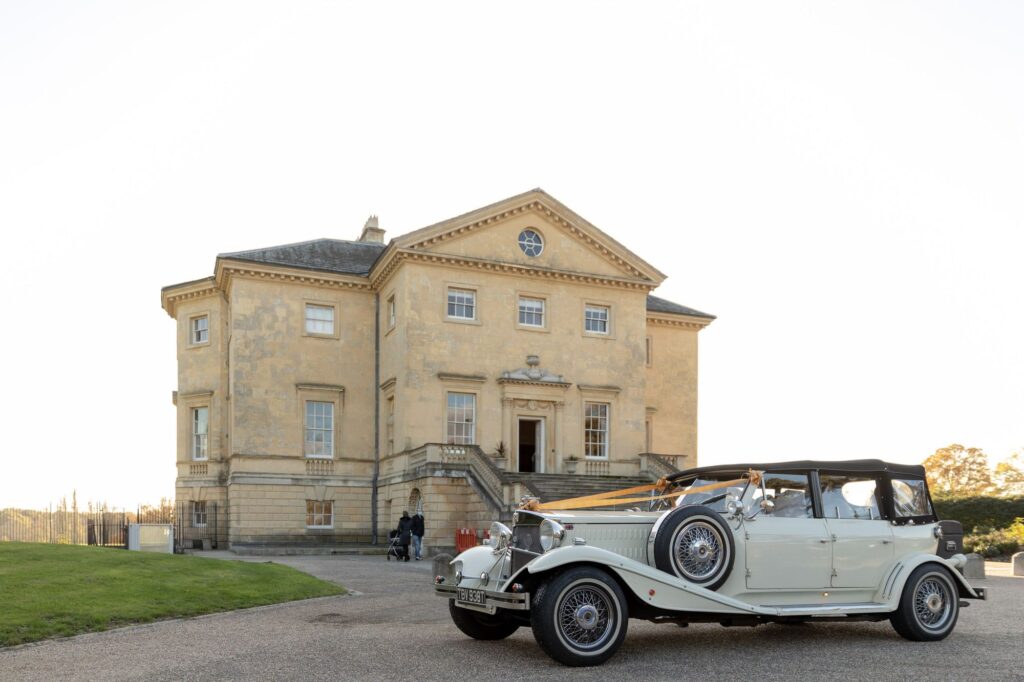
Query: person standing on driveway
(417, 534)
(404, 533)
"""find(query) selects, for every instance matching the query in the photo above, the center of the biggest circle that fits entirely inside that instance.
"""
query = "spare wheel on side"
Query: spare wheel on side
(696, 544)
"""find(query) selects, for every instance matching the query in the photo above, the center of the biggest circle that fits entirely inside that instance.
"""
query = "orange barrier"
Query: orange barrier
(464, 539)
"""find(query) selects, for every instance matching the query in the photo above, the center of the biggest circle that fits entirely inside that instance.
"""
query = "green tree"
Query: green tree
(956, 470)
(1009, 474)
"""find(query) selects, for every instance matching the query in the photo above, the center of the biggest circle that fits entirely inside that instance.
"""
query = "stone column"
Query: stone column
(506, 431)
(558, 437)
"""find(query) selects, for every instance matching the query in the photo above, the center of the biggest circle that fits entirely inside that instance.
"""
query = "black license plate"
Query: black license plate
(468, 596)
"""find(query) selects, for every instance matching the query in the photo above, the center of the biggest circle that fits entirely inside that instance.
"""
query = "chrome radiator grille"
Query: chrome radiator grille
(525, 540)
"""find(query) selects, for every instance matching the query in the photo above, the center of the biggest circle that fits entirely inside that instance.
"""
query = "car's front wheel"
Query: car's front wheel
(929, 606)
(579, 617)
(481, 625)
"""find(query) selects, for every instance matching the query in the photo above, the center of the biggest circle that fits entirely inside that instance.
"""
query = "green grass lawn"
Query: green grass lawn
(61, 590)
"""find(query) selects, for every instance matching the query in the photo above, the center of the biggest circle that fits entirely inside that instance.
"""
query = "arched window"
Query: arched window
(415, 501)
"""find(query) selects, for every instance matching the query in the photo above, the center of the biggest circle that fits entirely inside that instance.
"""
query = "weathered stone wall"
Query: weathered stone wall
(202, 375)
(448, 504)
(671, 391)
(599, 368)
(276, 514)
(274, 364)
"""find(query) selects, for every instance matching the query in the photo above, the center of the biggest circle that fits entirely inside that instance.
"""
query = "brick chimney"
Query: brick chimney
(372, 232)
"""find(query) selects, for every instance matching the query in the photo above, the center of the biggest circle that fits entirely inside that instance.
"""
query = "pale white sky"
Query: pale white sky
(840, 183)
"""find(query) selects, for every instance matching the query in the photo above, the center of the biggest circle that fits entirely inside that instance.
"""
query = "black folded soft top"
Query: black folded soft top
(852, 465)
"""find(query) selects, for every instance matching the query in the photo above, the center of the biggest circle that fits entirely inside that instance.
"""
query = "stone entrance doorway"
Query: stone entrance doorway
(530, 444)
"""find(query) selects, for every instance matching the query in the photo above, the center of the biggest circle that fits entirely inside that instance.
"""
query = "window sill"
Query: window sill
(462, 320)
(530, 328)
(309, 335)
(319, 458)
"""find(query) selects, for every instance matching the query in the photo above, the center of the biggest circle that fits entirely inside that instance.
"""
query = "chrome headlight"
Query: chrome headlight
(501, 536)
(937, 531)
(551, 534)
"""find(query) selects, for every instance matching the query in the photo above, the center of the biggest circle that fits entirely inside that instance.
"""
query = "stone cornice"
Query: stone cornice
(679, 321)
(398, 256)
(539, 201)
(171, 296)
(586, 388)
(551, 215)
(227, 270)
(530, 382)
(320, 387)
(471, 378)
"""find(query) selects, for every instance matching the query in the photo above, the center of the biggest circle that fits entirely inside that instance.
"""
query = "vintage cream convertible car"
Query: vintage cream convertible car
(736, 545)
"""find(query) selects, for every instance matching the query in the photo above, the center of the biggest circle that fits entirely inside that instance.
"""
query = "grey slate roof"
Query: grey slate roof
(332, 255)
(660, 305)
(357, 258)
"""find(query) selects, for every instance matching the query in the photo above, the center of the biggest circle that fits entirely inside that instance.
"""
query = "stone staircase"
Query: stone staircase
(552, 487)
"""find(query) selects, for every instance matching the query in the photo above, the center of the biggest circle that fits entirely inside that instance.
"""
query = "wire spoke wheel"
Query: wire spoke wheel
(699, 551)
(932, 603)
(583, 616)
(929, 606)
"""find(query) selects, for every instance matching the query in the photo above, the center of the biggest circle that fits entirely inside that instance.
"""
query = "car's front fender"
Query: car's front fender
(892, 588)
(475, 560)
(650, 585)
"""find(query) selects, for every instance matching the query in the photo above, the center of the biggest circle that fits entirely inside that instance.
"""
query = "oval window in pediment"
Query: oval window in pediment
(531, 242)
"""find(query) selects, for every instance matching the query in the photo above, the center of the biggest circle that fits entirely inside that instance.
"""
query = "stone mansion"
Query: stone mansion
(326, 386)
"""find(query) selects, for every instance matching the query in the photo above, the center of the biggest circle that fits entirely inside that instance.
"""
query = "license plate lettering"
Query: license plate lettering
(469, 596)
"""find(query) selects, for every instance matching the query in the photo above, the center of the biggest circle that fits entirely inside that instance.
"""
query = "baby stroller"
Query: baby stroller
(395, 549)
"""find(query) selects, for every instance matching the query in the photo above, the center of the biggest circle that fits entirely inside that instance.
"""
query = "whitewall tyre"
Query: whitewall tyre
(695, 544)
(929, 606)
(580, 617)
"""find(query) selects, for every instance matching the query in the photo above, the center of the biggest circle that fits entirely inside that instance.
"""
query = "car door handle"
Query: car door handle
(823, 541)
(886, 542)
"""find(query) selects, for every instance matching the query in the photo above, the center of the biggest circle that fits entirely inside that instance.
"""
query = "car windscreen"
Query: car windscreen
(715, 499)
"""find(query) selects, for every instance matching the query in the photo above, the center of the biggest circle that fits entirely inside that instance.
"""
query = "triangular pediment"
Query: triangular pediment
(570, 243)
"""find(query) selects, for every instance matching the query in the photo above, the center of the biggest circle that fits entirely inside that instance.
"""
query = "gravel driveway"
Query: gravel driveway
(397, 630)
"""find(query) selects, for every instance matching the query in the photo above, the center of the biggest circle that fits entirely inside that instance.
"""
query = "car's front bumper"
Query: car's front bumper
(489, 600)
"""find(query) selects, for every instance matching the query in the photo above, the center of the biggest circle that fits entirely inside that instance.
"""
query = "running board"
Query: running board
(829, 609)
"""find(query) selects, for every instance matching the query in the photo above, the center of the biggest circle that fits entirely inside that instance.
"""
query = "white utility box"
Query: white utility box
(151, 537)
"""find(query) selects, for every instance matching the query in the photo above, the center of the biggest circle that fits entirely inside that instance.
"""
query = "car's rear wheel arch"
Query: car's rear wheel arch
(928, 606)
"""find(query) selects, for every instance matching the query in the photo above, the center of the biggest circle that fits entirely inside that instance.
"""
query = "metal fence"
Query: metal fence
(199, 526)
(202, 527)
(64, 527)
